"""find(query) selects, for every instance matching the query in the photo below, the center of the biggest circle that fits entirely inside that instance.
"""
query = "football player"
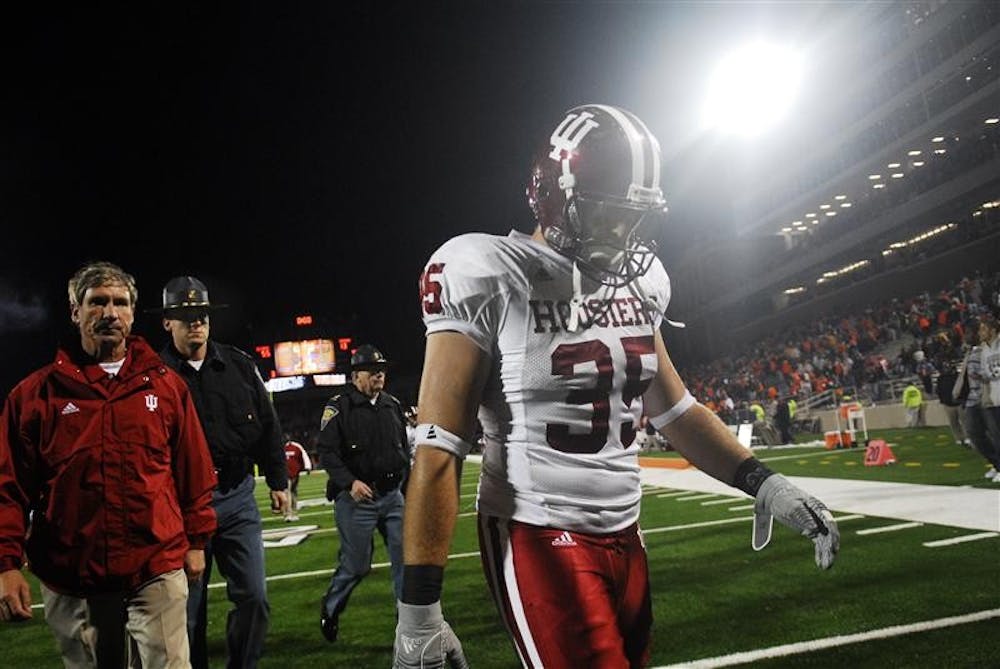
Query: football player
(554, 340)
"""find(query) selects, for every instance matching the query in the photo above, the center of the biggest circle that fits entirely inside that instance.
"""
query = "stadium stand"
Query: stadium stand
(868, 356)
(884, 225)
(895, 192)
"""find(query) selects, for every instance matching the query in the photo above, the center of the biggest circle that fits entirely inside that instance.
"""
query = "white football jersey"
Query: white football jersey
(560, 407)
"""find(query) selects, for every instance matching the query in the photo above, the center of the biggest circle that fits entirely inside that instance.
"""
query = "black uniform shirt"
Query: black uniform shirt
(236, 414)
(361, 440)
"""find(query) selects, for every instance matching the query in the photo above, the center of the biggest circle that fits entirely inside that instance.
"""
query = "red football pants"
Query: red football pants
(569, 600)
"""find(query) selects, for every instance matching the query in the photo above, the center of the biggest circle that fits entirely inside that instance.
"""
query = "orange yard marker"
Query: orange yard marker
(668, 463)
(878, 453)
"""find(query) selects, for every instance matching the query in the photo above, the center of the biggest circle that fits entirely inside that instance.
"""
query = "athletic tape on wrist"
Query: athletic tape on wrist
(750, 476)
(674, 412)
(429, 434)
(422, 584)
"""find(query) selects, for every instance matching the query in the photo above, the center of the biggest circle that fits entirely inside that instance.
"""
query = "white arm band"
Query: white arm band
(436, 436)
(674, 412)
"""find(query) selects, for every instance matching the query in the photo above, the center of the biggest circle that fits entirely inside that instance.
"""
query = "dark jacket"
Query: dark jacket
(116, 471)
(361, 440)
(945, 386)
(236, 414)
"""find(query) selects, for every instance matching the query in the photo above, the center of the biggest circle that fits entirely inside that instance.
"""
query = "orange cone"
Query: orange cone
(878, 453)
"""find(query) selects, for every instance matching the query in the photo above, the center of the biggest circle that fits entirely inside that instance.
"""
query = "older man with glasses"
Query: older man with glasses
(365, 452)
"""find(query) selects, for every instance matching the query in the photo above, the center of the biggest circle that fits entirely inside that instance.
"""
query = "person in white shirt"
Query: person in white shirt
(989, 370)
(554, 338)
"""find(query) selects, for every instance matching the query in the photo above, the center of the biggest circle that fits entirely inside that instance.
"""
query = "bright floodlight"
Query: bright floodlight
(752, 88)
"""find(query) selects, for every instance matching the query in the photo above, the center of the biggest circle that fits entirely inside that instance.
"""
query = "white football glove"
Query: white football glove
(798, 510)
(424, 640)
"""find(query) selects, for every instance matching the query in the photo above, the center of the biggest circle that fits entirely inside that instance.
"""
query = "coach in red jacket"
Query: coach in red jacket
(105, 487)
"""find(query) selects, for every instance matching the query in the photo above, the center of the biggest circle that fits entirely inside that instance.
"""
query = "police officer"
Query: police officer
(242, 429)
(363, 447)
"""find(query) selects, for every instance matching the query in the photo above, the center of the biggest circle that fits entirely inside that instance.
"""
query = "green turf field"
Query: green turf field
(712, 594)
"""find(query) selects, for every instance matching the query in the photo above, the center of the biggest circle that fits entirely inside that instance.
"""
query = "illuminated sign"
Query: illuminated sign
(263, 351)
(305, 319)
(310, 356)
(330, 379)
(281, 384)
(344, 343)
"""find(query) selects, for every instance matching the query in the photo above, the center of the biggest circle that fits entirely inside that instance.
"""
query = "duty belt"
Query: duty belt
(385, 483)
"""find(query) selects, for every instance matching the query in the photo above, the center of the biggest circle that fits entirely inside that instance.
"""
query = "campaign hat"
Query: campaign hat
(186, 294)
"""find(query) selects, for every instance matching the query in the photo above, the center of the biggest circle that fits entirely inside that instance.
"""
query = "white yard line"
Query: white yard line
(692, 498)
(278, 519)
(674, 528)
(726, 500)
(889, 528)
(960, 540)
(832, 642)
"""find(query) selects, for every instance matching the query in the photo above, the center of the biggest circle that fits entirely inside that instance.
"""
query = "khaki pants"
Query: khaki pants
(145, 627)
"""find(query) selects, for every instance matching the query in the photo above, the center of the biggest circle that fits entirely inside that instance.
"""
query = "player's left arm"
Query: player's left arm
(704, 440)
(694, 431)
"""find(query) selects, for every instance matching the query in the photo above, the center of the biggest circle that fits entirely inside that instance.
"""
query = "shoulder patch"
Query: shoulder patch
(330, 412)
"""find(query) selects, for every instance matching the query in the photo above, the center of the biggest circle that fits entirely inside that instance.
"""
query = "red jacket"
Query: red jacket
(115, 471)
(296, 458)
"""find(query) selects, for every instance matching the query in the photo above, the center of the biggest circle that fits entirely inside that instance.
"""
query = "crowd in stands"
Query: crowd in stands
(847, 352)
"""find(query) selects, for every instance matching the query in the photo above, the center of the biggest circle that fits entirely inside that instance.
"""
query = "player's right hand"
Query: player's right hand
(15, 596)
(424, 640)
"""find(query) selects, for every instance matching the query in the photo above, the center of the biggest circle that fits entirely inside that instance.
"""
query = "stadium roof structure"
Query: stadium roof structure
(889, 187)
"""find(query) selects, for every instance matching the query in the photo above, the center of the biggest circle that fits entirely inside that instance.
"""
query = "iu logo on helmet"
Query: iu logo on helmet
(151, 402)
(570, 133)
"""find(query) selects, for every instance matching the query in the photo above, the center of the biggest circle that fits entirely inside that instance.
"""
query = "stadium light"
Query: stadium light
(752, 88)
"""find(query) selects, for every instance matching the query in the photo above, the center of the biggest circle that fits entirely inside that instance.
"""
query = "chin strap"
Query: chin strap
(576, 304)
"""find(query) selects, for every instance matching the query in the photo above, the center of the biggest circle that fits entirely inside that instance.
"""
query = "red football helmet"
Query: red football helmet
(592, 184)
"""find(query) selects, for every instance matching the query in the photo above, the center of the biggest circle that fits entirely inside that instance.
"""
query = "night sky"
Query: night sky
(307, 157)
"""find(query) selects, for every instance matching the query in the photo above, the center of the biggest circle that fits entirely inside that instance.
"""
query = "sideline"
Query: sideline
(954, 506)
